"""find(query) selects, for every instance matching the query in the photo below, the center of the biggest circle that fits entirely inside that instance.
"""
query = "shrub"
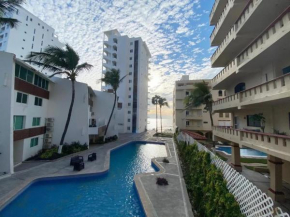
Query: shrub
(73, 148)
(205, 184)
(165, 160)
(161, 181)
(49, 153)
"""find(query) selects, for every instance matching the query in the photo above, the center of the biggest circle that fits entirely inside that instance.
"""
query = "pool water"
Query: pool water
(245, 152)
(111, 194)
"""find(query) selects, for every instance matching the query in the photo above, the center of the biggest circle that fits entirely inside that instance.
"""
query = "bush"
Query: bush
(205, 184)
(49, 153)
(73, 148)
(161, 181)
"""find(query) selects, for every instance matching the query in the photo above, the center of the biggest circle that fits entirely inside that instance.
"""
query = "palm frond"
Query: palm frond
(83, 66)
(112, 78)
(7, 6)
(10, 21)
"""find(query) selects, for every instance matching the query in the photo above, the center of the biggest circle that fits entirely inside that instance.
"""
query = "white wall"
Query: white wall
(6, 108)
(60, 98)
(102, 109)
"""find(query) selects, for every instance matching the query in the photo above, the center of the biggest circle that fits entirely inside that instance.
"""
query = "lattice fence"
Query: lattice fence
(253, 202)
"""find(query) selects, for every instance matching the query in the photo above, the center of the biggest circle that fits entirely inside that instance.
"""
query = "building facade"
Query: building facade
(31, 34)
(35, 111)
(195, 119)
(131, 57)
(254, 52)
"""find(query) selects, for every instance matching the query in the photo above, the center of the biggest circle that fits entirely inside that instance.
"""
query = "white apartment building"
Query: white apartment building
(31, 34)
(195, 119)
(253, 47)
(35, 108)
(131, 57)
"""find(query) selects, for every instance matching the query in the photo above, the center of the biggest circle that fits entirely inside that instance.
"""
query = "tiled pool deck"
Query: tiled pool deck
(171, 200)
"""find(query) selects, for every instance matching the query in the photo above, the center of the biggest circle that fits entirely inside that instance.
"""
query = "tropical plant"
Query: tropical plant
(201, 95)
(161, 181)
(7, 7)
(61, 61)
(261, 119)
(155, 100)
(112, 78)
(162, 102)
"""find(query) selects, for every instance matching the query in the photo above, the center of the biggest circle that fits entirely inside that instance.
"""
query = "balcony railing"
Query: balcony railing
(275, 89)
(222, 18)
(193, 117)
(270, 35)
(227, 71)
(266, 142)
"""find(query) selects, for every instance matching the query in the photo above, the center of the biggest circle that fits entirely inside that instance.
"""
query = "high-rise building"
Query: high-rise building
(31, 34)
(252, 39)
(131, 57)
(195, 119)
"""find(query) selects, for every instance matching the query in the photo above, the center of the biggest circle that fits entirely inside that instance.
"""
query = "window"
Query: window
(35, 121)
(186, 93)
(130, 81)
(38, 101)
(40, 82)
(18, 122)
(119, 105)
(32, 46)
(129, 104)
(33, 142)
(41, 43)
(23, 73)
(131, 43)
(130, 88)
(227, 115)
(130, 73)
(187, 113)
(131, 58)
(34, 31)
(26, 18)
(220, 93)
(131, 66)
(252, 122)
(33, 38)
(129, 112)
(221, 115)
(187, 123)
(42, 36)
(205, 122)
(266, 77)
(129, 96)
(21, 97)
(131, 51)
(128, 128)
(129, 120)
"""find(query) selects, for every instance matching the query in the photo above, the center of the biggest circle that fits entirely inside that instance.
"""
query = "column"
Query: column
(276, 184)
(236, 157)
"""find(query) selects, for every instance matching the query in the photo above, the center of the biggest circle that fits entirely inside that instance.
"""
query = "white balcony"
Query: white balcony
(271, 92)
(248, 26)
(230, 14)
(272, 144)
(216, 11)
(193, 117)
(93, 131)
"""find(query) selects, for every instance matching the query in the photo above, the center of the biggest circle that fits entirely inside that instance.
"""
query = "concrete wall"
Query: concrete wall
(6, 108)
(60, 98)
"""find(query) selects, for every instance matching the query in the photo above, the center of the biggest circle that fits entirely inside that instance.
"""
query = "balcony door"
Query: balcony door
(240, 87)
(236, 122)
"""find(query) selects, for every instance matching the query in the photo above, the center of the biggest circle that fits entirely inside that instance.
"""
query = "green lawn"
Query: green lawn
(253, 160)
(221, 157)
(168, 135)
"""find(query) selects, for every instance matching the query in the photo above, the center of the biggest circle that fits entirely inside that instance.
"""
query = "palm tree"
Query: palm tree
(155, 102)
(162, 102)
(6, 7)
(201, 95)
(61, 62)
(112, 78)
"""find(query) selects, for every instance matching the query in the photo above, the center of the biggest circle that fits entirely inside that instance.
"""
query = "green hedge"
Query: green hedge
(205, 184)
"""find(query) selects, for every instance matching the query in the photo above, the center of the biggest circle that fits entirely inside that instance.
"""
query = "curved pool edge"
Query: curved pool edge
(15, 193)
(247, 156)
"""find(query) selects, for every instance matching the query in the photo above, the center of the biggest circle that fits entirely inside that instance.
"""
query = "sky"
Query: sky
(176, 32)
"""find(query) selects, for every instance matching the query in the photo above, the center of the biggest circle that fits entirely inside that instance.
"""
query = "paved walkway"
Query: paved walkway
(171, 200)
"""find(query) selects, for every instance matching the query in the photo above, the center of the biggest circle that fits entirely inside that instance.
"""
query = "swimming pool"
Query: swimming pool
(111, 194)
(245, 152)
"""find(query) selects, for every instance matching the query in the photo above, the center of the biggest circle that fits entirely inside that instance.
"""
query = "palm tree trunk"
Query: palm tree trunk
(161, 118)
(210, 115)
(156, 120)
(68, 116)
(110, 116)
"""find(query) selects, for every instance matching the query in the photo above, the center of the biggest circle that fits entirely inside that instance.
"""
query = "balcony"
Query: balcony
(193, 117)
(271, 92)
(273, 40)
(247, 27)
(216, 11)
(230, 14)
(272, 144)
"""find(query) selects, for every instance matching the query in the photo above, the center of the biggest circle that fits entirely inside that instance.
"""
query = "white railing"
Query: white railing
(253, 202)
(227, 71)
(270, 35)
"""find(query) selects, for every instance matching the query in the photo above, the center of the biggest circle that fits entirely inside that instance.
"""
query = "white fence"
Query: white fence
(253, 202)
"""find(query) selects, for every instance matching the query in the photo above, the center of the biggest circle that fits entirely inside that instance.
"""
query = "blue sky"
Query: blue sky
(176, 32)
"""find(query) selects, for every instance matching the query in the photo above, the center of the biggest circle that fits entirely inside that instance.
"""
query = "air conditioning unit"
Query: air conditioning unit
(49, 124)
(48, 135)
(50, 119)
(46, 141)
